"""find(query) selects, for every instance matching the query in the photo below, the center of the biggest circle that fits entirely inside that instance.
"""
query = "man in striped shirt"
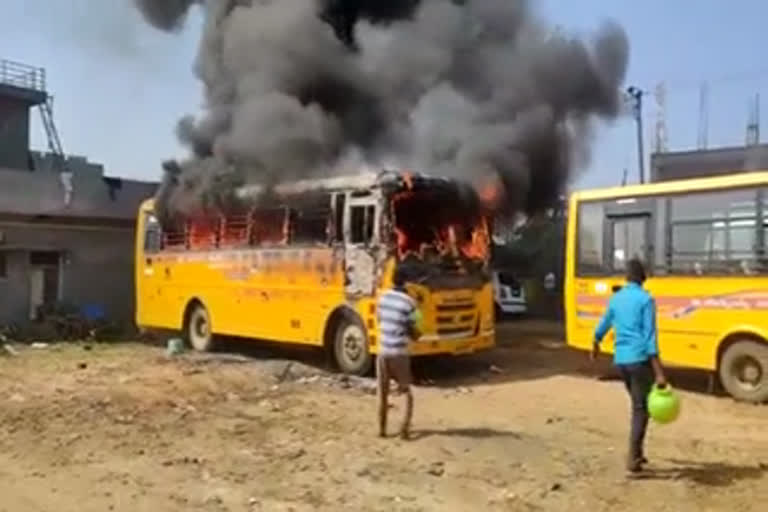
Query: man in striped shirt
(396, 328)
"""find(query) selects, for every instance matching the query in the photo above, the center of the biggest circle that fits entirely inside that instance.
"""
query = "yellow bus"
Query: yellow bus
(306, 264)
(704, 243)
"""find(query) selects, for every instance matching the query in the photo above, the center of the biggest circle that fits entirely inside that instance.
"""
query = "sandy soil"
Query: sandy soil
(528, 427)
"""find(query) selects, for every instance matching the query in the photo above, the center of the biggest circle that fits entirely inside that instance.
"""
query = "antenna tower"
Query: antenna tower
(703, 116)
(753, 122)
(660, 139)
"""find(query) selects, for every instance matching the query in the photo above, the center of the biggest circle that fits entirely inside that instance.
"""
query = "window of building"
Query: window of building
(3, 266)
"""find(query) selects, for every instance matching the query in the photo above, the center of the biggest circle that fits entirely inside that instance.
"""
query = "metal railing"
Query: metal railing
(22, 75)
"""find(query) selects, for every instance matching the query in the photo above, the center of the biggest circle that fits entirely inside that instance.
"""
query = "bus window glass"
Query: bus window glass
(310, 225)
(714, 232)
(629, 242)
(153, 234)
(764, 209)
(590, 238)
(362, 224)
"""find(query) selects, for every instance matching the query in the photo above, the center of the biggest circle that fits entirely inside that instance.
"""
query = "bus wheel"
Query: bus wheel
(744, 371)
(198, 329)
(350, 347)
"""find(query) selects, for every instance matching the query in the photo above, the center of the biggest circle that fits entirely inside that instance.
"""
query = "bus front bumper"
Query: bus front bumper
(454, 345)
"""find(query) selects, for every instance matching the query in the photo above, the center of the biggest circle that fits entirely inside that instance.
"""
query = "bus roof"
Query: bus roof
(353, 181)
(361, 181)
(755, 178)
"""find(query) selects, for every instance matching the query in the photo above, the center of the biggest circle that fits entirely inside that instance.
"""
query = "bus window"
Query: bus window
(153, 234)
(338, 231)
(310, 226)
(764, 216)
(590, 238)
(714, 232)
(268, 227)
(629, 241)
(362, 223)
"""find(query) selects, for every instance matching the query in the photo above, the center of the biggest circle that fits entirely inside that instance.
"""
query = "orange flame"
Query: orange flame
(402, 241)
(490, 191)
(477, 246)
(408, 179)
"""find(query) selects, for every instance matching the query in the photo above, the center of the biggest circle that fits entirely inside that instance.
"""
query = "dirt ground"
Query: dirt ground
(527, 427)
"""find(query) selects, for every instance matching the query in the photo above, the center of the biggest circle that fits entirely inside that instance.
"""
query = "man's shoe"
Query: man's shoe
(635, 465)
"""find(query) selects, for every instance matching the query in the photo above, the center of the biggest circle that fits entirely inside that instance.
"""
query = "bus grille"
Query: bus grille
(456, 318)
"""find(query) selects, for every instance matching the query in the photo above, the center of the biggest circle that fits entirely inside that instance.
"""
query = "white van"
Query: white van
(509, 295)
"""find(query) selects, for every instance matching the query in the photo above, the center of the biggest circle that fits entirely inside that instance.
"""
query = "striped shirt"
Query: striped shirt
(395, 309)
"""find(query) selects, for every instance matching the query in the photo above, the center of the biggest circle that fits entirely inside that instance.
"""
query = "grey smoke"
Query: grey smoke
(165, 14)
(471, 89)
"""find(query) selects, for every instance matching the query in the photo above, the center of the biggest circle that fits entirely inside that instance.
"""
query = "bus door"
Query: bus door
(361, 231)
(148, 272)
(628, 233)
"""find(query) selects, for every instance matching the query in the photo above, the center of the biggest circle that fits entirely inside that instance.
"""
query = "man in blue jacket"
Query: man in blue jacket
(632, 315)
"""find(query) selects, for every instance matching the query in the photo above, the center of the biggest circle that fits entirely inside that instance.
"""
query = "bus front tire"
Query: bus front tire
(350, 347)
(744, 371)
(198, 329)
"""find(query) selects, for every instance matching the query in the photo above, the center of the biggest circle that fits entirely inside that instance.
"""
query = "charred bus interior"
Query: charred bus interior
(436, 228)
(441, 233)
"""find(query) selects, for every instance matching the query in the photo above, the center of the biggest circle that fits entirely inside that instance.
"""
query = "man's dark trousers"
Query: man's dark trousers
(638, 379)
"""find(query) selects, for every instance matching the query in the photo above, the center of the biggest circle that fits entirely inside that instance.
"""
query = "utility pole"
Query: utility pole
(635, 95)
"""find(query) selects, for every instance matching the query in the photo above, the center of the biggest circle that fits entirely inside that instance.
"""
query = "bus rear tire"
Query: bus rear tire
(744, 371)
(350, 347)
(197, 329)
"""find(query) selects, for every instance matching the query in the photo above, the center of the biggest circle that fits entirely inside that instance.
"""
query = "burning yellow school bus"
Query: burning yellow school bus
(306, 264)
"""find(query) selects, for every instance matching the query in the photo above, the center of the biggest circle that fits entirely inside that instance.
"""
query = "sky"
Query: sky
(120, 86)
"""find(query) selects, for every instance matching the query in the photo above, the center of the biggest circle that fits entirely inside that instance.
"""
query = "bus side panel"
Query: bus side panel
(143, 305)
(588, 297)
(151, 284)
(694, 314)
(279, 295)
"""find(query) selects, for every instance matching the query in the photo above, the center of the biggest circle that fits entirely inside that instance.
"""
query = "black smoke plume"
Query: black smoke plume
(481, 90)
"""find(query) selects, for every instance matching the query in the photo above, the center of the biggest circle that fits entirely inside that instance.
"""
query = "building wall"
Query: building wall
(93, 195)
(14, 289)
(97, 267)
(710, 162)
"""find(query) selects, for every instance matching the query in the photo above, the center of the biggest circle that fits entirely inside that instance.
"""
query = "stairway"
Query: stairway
(55, 148)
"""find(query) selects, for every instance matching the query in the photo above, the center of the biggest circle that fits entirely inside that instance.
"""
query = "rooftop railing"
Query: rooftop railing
(22, 75)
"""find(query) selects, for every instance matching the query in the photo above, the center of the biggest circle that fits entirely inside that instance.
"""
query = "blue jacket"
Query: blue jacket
(632, 314)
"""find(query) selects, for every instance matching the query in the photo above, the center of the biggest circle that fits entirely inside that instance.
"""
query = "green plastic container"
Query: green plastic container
(663, 404)
(418, 320)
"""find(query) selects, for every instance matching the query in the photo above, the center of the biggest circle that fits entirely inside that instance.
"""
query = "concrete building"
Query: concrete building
(708, 162)
(66, 230)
